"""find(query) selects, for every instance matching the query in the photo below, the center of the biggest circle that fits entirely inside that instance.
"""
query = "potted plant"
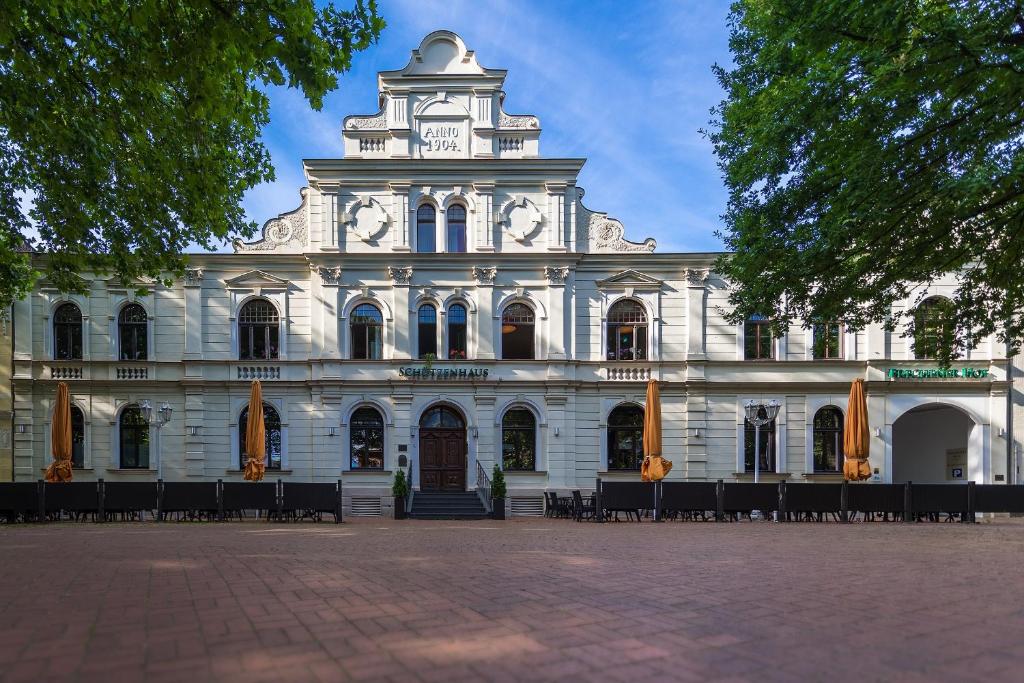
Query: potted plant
(400, 491)
(498, 492)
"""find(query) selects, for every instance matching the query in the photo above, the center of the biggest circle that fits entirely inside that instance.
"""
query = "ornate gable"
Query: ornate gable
(598, 233)
(287, 233)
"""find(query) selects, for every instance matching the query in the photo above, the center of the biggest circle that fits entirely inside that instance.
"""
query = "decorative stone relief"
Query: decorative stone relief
(288, 231)
(193, 277)
(697, 277)
(519, 121)
(329, 275)
(520, 218)
(604, 234)
(367, 218)
(484, 275)
(556, 274)
(375, 122)
(400, 275)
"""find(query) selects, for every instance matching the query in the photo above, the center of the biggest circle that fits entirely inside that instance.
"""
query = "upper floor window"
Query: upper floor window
(132, 322)
(626, 438)
(67, 332)
(133, 432)
(367, 328)
(828, 341)
(517, 325)
(627, 331)
(933, 326)
(77, 437)
(456, 228)
(426, 328)
(366, 440)
(426, 229)
(765, 447)
(518, 440)
(271, 437)
(258, 331)
(457, 332)
(757, 339)
(828, 440)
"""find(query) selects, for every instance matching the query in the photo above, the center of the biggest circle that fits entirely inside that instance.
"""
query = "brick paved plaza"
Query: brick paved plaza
(521, 600)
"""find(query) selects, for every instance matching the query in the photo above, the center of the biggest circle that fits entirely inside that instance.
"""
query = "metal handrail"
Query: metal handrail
(483, 486)
(408, 483)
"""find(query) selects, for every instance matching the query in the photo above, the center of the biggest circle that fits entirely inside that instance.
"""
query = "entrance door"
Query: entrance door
(442, 450)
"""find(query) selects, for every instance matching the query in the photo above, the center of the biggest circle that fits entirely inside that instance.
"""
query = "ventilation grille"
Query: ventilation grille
(528, 506)
(364, 506)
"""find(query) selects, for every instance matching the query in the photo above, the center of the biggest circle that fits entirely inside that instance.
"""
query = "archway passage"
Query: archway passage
(930, 445)
(442, 450)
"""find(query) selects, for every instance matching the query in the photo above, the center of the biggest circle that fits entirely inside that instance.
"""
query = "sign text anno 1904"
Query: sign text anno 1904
(438, 137)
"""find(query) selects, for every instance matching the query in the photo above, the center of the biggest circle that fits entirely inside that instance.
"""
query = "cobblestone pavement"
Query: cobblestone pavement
(521, 600)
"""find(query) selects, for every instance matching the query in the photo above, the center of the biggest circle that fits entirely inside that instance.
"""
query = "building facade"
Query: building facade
(443, 299)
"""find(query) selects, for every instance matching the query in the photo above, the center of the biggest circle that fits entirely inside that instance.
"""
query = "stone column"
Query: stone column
(484, 277)
(696, 281)
(193, 314)
(401, 278)
(556, 276)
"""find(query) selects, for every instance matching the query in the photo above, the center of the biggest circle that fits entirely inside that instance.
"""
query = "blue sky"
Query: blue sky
(627, 85)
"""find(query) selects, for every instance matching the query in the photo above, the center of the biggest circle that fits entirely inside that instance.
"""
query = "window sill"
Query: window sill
(619, 473)
(525, 473)
(364, 472)
(770, 476)
(132, 470)
(266, 473)
(824, 476)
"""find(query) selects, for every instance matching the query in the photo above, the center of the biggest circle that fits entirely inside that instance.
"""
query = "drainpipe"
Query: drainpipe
(1011, 441)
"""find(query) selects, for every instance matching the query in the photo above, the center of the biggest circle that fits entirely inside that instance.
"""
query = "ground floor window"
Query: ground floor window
(626, 438)
(828, 440)
(77, 437)
(519, 440)
(134, 439)
(366, 440)
(271, 436)
(767, 447)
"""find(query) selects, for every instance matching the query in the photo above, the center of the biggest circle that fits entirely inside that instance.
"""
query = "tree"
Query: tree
(870, 146)
(131, 128)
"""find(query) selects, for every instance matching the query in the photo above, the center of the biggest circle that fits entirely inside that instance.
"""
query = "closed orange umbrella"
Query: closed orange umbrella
(856, 438)
(655, 467)
(60, 437)
(255, 436)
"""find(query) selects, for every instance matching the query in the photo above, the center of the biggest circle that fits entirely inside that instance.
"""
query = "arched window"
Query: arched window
(271, 436)
(77, 437)
(828, 440)
(767, 446)
(626, 438)
(519, 440)
(933, 327)
(132, 322)
(828, 341)
(442, 417)
(517, 333)
(426, 329)
(67, 332)
(366, 440)
(367, 328)
(757, 339)
(457, 346)
(456, 228)
(258, 331)
(133, 431)
(627, 331)
(426, 229)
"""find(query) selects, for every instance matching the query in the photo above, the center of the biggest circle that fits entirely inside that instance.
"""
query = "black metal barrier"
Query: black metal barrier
(908, 502)
(102, 501)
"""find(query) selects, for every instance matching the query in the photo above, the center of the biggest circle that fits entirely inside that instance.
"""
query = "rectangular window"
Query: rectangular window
(757, 340)
(766, 447)
(827, 341)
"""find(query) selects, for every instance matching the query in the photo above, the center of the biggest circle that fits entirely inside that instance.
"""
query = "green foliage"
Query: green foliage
(131, 128)
(400, 487)
(869, 145)
(498, 488)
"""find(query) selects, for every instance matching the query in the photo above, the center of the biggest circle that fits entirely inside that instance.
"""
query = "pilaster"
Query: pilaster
(556, 276)
(401, 216)
(484, 277)
(485, 216)
(401, 278)
(193, 314)
(696, 293)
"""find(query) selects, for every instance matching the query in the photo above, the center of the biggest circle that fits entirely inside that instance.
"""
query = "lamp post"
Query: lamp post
(162, 417)
(760, 413)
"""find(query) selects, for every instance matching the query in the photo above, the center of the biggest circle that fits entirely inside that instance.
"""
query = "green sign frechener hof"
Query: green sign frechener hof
(936, 373)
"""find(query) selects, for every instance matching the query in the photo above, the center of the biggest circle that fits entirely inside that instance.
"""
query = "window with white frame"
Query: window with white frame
(517, 332)
(132, 331)
(367, 332)
(67, 332)
(456, 223)
(133, 438)
(426, 331)
(259, 329)
(457, 332)
(627, 331)
(366, 439)
(765, 446)
(518, 440)
(272, 437)
(426, 229)
(828, 440)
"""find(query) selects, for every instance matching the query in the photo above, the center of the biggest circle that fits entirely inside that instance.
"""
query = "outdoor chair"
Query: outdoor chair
(550, 504)
(583, 509)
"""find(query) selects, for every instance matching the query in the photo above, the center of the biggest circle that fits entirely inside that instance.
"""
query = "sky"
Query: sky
(626, 85)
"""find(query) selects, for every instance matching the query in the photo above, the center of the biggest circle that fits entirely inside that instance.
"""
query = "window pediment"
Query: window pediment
(257, 280)
(631, 279)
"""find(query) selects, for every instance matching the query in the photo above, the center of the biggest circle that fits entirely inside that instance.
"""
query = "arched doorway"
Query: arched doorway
(442, 450)
(931, 444)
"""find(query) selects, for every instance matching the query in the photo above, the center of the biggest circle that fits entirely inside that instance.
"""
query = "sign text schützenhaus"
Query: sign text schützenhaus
(936, 373)
(443, 373)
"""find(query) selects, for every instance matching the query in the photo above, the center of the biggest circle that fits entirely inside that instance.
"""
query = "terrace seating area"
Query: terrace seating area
(169, 501)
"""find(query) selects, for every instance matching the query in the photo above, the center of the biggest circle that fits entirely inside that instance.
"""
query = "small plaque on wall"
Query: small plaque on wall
(403, 447)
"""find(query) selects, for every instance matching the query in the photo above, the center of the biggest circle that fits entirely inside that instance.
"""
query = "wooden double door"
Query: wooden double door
(442, 459)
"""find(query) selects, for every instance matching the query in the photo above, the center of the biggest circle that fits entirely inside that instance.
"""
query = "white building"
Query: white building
(443, 231)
